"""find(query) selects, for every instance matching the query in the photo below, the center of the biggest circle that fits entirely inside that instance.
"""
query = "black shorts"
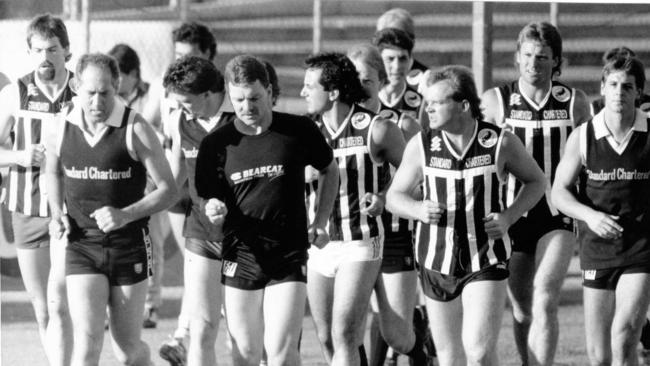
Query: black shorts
(526, 232)
(124, 256)
(204, 248)
(399, 254)
(440, 287)
(244, 270)
(607, 279)
(30, 232)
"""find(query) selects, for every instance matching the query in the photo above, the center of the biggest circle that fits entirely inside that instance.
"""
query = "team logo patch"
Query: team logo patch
(389, 115)
(137, 268)
(436, 144)
(487, 137)
(515, 99)
(408, 261)
(229, 268)
(32, 90)
(589, 274)
(360, 120)
(412, 99)
(561, 93)
(501, 265)
(303, 270)
(414, 77)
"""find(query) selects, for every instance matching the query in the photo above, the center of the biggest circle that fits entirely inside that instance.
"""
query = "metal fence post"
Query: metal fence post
(318, 27)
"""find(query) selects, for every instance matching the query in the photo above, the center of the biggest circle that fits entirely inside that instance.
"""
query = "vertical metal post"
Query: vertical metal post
(318, 27)
(183, 10)
(482, 44)
(554, 13)
(85, 21)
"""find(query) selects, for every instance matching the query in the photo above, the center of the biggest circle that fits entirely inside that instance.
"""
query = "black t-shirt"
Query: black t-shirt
(261, 179)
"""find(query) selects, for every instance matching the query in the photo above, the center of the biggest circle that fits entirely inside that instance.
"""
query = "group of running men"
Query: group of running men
(397, 176)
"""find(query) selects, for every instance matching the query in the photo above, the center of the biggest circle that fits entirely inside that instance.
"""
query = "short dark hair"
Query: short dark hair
(546, 34)
(246, 69)
(397, 18)
(628, 64)
(393, 38)
(193, 75)
(461, 80)
(103, 61)
(369, 55)
(198, 34)
(273, 80)
(126, 57)
(615, 52)
(338, 73)
(48, 26)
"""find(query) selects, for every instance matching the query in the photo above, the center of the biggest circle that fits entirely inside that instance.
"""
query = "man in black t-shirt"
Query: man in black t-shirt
(250, 174)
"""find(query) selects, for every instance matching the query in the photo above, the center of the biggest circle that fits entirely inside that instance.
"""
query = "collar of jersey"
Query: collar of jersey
(532, 102)
(113, 120)
(601, 130)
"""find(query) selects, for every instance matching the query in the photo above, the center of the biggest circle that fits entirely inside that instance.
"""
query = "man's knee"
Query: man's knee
(247, 350)
(345, 333)
(545, 304)
(134, 354)
(204, 331)
(41, 313)
(478, 353)
(624, 337)
(598, 356)
(400, 337)
(282, 354)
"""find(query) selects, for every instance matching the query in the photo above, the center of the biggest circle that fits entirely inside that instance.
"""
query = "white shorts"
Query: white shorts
(327, 260)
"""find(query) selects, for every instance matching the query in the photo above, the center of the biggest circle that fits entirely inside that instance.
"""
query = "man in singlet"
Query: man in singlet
(610, 156)
(27, 110)
(198, 88)
(364, 146)
(190, 39)
(395, 47)
(643, 102)
(401, 19)
(395, 289)
(251, 173)
(541, 112)
(135, 94)
(462, 244)
(97, 166)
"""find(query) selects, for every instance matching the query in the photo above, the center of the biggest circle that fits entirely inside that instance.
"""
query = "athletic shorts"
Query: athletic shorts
(204, 248)
(440, 287)
(526, 232)
(245, 270)
(607, 279)
(30, 232)
(124, 257)
(398, 255)
(328, 259)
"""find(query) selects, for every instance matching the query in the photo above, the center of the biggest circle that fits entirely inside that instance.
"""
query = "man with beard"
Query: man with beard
(27, 109)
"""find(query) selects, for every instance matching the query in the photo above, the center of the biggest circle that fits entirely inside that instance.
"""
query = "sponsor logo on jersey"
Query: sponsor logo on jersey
(38, 106)
(270, 171)
(487, 137)
(94, 173)
(515, 99)
(500, 265)
(618, 174)
(552, 114)
(412, 99)
(229, 268)
(561, 93)
(588, 274)
(435, 144)
(360, 120)
(190, 153)
(440, 163)
(521, 115)
(414, 77)
(137, 268)
(389, 115)
(476, 161)
(351, 141)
